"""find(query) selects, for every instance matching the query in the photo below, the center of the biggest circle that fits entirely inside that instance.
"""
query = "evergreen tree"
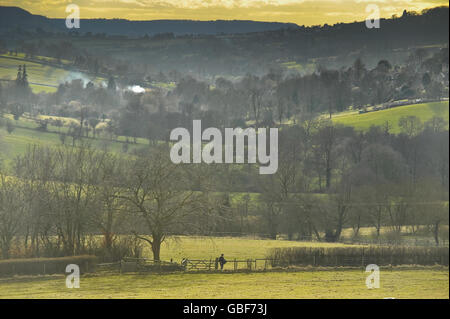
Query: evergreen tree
(19, 75)
(24, 76)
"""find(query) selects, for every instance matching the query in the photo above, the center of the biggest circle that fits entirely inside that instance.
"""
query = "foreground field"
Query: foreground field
(342, 284)
(424, 111)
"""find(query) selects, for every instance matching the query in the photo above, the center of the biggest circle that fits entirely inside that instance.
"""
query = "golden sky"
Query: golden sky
(302, 12)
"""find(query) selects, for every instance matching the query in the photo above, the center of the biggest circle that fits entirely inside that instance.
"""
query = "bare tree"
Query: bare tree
(324, 150)
(11, 212)
(158, 194)
(108, 214)
(73, 194)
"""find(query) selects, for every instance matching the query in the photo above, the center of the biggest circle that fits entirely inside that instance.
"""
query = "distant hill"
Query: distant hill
(14, 17)
(245, 47)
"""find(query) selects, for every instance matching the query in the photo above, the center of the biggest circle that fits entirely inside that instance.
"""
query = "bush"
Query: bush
(125, 246)
(393, 237)
(359, 256)
(46, 266)
(141, 265)
(9, 126)
(122, 246)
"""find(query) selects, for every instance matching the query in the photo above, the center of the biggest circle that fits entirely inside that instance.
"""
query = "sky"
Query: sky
(301, 12)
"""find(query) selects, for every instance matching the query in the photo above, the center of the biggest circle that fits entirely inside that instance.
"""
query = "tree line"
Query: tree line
(61, 200)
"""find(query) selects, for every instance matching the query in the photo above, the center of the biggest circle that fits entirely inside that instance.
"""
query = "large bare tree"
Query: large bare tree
(159, 195)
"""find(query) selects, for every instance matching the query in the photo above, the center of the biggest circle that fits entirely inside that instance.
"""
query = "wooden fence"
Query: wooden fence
(231, 265)
(240, 265)
(148, 265)
(139, 265)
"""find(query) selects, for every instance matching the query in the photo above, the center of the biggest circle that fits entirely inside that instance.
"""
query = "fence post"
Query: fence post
(216, 264)
(362, 258)
(235, 264)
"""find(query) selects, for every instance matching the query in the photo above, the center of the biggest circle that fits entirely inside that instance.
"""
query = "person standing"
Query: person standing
(222, 261)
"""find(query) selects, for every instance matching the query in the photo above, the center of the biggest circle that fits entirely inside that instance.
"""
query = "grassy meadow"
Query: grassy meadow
(43, 77)
(26, 133)
(306, 68)
(241, 248)
(429, 283)
(200, 247)
(17, 142)
(397, 282)
(37, 73)
(424, 111)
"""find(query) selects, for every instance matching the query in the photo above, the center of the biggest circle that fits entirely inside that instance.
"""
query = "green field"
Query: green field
(423, 111)
(17, 142)
(191, 247)
(40, 73)
(306, 68)
(396, 283)
(243, 248)
(25, 134)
